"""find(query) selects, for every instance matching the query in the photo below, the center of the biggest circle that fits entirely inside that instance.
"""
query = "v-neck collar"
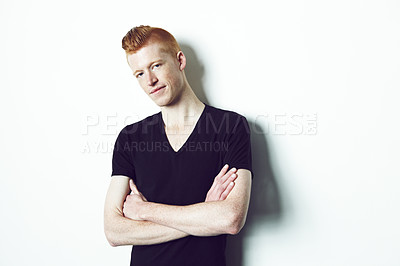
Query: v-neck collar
(164, 133)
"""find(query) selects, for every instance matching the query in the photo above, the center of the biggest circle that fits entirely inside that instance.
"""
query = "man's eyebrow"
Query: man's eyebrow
(152, 62)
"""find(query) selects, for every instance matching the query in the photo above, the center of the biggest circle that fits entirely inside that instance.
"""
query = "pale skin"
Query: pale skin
(208, 218)
(120, 230)
(129, 219)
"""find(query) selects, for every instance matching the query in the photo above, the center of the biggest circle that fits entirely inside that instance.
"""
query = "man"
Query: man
(168, 196)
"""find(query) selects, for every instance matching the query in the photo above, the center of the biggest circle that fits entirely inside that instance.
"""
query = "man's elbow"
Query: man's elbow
(111, 232)
(236, 223)
(233, 230)
(112, 240)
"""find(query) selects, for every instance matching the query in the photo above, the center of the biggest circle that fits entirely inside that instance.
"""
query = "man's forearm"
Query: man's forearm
(202, 219)
(206, 218)
(120, 230)
(123, 231)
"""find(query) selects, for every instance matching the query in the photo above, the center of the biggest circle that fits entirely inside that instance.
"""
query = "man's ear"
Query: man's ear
(181, 60)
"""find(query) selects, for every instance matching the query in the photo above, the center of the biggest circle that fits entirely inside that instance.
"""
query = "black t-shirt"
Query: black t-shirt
(143, 153)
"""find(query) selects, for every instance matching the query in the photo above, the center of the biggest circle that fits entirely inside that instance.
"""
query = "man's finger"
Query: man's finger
(223, 170)
(133, 187)
(221, 179)
(228, 190)
(226, 183)
(220, 174)
(229, 178)
(221, 186)
(226, 177)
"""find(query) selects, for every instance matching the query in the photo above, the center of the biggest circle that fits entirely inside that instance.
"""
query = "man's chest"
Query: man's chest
(178, 178)
(177, 140)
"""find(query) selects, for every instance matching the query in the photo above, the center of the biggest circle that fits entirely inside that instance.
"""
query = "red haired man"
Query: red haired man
(181, 178)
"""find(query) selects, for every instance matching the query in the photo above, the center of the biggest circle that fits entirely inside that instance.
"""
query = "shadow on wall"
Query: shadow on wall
(265, 203)
(194, 72)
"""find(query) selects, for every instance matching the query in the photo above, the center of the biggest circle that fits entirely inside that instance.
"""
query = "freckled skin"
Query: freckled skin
(131, 219)
(154, 68)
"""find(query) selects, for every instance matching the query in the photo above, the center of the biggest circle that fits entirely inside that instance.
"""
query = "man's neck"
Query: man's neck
(184, 113)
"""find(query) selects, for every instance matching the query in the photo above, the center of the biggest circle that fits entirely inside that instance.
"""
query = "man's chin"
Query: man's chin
(162, 102)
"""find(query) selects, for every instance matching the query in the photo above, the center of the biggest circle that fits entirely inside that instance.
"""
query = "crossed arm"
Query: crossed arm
(131, 220)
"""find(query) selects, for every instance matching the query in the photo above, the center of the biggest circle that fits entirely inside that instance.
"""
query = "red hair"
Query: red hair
(139, 37)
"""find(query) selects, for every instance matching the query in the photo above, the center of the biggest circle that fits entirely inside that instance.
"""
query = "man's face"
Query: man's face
(159, 73)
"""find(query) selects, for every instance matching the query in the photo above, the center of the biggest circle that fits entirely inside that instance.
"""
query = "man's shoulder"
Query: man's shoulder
(225, 120)
(142, 126)
(223, 115)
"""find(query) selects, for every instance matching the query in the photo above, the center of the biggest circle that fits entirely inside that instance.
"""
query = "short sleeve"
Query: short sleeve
(238, 153)
(122, 163)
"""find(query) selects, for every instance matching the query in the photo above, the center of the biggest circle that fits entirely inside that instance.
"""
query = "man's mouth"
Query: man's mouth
(156, 90)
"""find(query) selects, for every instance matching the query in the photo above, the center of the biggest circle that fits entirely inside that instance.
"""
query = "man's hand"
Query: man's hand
(222, 185)
(133, 203)
(220, 189)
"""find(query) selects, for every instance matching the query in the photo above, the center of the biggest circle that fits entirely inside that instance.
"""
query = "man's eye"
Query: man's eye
(157, 65)
(139, 75)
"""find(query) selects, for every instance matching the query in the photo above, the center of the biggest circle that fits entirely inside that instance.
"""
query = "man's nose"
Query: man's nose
(151, 79)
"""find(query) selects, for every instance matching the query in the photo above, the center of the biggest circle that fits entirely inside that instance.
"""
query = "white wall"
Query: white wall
(316, 79)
